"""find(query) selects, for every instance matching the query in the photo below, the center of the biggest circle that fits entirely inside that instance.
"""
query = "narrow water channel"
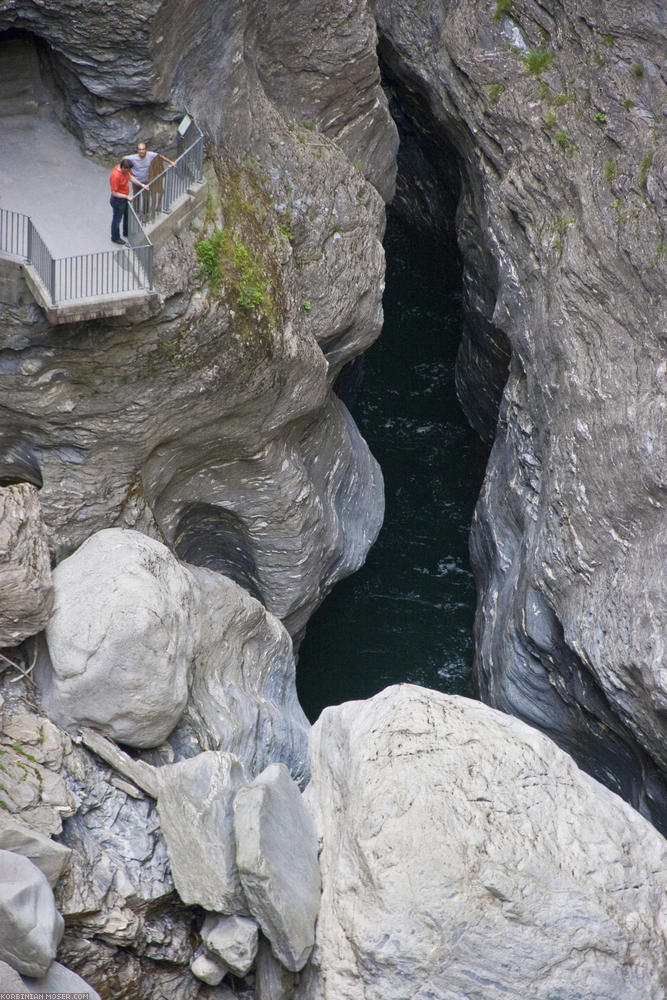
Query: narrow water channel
(407, 615)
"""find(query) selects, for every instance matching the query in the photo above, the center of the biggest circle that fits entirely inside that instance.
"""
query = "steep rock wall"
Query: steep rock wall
(554, 114)
(248, 388)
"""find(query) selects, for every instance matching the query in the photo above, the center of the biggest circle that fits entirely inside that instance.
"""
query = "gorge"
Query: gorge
(183, 485)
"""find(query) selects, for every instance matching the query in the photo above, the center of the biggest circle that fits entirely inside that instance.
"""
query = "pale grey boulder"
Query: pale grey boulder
(10, 981)
(208, 968)
(195, 806)
(231, 939)
(464, 854)
(26, 590)
(120, 639)
(59, 980)
(49, 856)
(243, 696)
(30, 925)
(276, 854)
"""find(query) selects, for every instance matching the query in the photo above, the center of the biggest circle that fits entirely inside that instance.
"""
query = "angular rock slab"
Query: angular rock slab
(195, 806)
(120, 639)
(208, 968)
(465, 855)
(231, 939)
(30, 925)
(276, 854)
(26, 589)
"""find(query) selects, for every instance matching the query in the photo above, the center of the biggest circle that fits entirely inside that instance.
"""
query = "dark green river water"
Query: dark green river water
(407, 615)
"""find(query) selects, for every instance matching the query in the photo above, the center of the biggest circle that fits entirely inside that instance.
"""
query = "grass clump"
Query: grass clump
(610, 171)
(495, 90)
(550, 119)
(537, 60)
(503, 9)
(223, 255)
(564, 141)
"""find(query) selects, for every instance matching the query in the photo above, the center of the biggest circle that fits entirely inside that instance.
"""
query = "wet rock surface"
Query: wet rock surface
(26, 593)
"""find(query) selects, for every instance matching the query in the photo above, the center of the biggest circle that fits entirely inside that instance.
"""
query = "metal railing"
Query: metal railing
(106, 272)
(174, 181)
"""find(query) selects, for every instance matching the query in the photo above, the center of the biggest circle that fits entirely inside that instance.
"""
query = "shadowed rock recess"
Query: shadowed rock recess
(180, 488)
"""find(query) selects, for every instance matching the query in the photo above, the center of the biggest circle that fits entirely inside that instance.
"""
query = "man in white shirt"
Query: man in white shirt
(141, 162)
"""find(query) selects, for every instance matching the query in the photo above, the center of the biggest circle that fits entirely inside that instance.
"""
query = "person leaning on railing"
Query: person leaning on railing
(141, 162)
(120, 178)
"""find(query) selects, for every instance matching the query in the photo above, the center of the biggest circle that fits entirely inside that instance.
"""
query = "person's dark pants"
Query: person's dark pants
(119, 209)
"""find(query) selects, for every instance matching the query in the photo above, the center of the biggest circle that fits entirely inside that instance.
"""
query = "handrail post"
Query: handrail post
(29, 242)
(53, 281)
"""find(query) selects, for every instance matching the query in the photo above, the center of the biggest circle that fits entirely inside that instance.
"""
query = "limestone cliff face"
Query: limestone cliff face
(229, 424)
(553, 113)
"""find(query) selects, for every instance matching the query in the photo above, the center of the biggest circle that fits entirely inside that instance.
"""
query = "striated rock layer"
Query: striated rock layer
(552, 114)
(464, 855)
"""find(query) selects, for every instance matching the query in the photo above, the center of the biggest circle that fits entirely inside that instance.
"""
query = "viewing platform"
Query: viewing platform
(55, 217)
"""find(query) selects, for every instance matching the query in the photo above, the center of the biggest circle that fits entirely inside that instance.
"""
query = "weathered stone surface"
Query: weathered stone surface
(26, 592)
(30, 925)
(464, 854)
(60, 980)
(34, 791)
(120, 639)
(195, 805)
(232, 939)
(50, 857)
(562, 183)
(243, 695)
(10, 981)
(276, 853)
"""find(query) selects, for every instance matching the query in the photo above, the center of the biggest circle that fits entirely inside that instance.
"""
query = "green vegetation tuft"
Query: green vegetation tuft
(637, 70)
(610, 171)
(561, 100)
(503, 9)
(537, 60)
(550, 119)
(608, 40)
(208, 251)
(600, 117)
(495, 90)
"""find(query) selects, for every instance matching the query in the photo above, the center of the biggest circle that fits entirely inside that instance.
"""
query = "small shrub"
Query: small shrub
(561, 100)
(608, 40)
(503, 9)
(550, 119)
(537, 60)
(628, 104)
(610, 171)
(600, 117)
(637, 70)
(208, 251)
(564, 141)
(306, 305)
(495, 90)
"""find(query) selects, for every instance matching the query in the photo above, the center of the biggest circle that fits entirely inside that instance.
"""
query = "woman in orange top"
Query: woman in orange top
(120, 178)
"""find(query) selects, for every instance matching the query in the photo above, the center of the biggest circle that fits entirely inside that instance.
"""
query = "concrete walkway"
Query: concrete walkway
(44, 175)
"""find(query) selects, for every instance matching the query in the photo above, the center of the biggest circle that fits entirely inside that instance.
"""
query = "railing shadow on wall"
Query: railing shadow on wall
(107, 272)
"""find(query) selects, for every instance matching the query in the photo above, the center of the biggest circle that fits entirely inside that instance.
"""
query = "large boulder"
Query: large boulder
(60, 981)
(26, 592)
(30, 925)
(276, 852)
(465, 855)
(120, 639)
